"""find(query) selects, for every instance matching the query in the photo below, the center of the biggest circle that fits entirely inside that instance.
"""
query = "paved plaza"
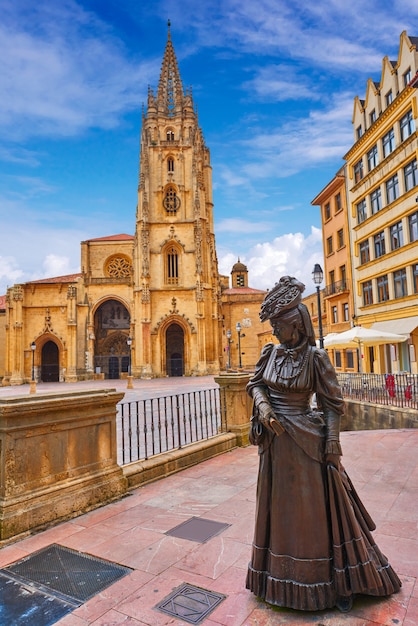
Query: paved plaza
(133, 531)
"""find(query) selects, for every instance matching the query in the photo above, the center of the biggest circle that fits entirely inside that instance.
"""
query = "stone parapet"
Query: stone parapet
(361, 415)
(57, 459)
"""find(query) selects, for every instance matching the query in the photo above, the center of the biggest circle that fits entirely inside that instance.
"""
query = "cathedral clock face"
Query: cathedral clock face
(171, 202)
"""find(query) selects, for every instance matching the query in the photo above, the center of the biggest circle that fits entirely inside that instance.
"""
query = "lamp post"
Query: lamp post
(33, 382)
(318, 277)
(238, 328)
(228, 336)
(129, 342)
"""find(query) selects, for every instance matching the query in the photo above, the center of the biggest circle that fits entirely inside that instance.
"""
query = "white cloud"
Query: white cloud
(291, 254)
(56, 265)
(322, 136)
(10, 273)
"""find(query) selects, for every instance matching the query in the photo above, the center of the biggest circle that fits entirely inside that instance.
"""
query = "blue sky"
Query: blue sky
(274, 83)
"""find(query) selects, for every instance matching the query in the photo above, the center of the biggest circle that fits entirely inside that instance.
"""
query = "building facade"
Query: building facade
(383, 211)
(150, 304)
(338, 293)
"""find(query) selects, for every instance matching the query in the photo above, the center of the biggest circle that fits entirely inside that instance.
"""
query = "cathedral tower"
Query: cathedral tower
(177, 325)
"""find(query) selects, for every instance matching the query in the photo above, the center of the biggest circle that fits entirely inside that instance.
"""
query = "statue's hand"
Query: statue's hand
(265, 414)
(333, 459)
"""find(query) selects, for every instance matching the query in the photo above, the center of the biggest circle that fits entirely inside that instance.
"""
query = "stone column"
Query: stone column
(238, 404)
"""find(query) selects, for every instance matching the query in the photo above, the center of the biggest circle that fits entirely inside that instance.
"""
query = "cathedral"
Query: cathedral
(150, 304)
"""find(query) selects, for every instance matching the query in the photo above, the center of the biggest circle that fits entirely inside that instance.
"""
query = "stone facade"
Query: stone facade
(160, 288)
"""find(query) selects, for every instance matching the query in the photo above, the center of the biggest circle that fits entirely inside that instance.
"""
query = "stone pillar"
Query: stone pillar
(238, 404)
(58, 458)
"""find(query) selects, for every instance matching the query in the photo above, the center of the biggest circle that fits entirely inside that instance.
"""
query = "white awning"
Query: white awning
(401, 326)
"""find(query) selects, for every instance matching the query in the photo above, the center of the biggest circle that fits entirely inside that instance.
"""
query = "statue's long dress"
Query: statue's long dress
(312, 540)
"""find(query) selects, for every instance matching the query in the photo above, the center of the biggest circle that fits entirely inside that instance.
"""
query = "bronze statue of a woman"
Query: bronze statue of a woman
(313, 547)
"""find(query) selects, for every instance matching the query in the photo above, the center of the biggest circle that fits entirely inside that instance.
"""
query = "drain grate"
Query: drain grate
(22, 605)
(197, 529)
(191, 604)
(67, 573)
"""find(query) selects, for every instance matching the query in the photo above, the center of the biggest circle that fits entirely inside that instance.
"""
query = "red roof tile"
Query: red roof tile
(242, 290)
(121, 237)
(69, 278)
(3, 302)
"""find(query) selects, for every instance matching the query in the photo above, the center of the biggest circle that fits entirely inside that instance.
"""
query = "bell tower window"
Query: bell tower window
(170, 135)
(170, 164)
(172, 266)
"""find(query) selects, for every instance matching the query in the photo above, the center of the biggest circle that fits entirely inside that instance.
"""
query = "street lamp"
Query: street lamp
(129, 343)
(238, 328)
(318, 277)
(32, 382)
(228, 336)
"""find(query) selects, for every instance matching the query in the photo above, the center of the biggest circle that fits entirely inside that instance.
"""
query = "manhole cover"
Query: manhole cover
(75, 575)
(197, 529)
(191, 604)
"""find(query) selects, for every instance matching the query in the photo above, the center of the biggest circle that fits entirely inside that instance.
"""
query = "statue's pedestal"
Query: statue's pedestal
(238, 404)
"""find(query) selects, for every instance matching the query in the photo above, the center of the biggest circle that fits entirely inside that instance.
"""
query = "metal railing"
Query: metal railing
(336, 287)
(155, 425)
(389, 389)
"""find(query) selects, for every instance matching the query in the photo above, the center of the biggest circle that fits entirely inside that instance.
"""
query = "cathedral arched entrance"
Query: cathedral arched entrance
(50, 369)
(174, 341)
(112, 324)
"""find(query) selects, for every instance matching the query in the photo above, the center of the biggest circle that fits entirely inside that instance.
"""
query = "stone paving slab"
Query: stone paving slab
(132, 533)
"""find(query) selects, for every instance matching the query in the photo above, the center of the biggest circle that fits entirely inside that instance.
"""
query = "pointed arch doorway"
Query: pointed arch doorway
(50, 369)
(174, 343)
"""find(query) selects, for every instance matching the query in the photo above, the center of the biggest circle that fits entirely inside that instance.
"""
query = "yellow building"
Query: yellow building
(338, 291)
(149, 303)
(382, 186)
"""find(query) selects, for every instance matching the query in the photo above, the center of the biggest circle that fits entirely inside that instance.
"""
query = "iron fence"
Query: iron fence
(155, 425)
(389, 389)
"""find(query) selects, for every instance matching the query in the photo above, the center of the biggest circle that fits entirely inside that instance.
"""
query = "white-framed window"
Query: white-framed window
(346, 313)
(364, 249)
(379, 244)
(372, 158)
(410, 174)
(388, 142)
(396, 236)
(358, 171)
(382, 288)
(389, 97)
(367, 289)
(376, 200)
(399, 283)
(406, 125)
(372, 116)
(361, 211)
(407, 77)
(392, 189)
(413, 226)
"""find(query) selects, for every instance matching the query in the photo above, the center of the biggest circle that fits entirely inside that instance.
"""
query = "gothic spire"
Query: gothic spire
(170, 88)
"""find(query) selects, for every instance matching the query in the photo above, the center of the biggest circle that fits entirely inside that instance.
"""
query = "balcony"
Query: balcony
(337, 287)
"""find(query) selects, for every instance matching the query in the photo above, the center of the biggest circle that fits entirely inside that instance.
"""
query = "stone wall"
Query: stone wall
(365, 416)
(57, 458)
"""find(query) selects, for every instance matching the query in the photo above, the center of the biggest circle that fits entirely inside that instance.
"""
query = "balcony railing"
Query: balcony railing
(334, 288)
